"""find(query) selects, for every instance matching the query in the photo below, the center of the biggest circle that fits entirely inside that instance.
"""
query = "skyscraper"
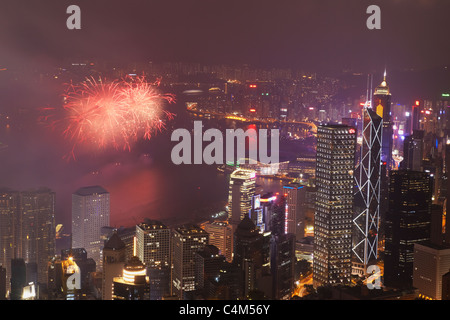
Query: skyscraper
(18, 278)
(413, 151)
(407, 223)
(381, 104)
(37, 230)
(9, 208)
(221, 236)
(295, 211)
(153, 248)
(208, 262)
(367, 197)
(336, 145)
(431, 263)
(282, 265)
(251, 254)
(114, 257)
(241, 191)
(153, 244)
(186, 241)
(90, 212)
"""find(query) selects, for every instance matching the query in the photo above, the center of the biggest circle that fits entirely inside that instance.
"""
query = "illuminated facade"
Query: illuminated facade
(221, 236)
(90, 212)
(9, 206)
(38, 232)
(336, 145)
(251, 254)
(71, 279)
(241, 191)
(153, 244)
(366, 220)
(134, 283)
(381, 104)
(431, 262)
(153, 249)
(186, 241)
(114, 257)
(294, 215)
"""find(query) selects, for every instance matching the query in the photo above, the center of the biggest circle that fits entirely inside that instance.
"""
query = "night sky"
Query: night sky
(310, 34)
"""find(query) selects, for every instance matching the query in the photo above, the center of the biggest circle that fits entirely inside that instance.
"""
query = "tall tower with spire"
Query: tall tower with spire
(381, 104)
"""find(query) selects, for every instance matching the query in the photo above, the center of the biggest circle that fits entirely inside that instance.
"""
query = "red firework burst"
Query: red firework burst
(114, 114)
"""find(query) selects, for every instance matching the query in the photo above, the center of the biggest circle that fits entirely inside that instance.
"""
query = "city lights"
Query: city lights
(224, 158)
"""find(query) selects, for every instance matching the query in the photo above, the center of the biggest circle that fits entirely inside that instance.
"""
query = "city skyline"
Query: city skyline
(352, 202)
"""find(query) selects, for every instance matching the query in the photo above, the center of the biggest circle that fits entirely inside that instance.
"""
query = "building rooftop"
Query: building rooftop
(114, 242)
(91, 190)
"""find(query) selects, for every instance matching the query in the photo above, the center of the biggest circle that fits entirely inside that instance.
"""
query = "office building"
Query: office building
(2, 283)
(86, 265)
(336, 145)
(71, 282)
(282, 265)
(153, 244)
(114, 257)
(221, 236)
(186, 241)
(90, 212)
(251, 255)
(153, 249)
(294, 194)
(208, 263)
(431, 263)
(18, 278)
(446, 286)
(9, 208)
(37, 242)
(366, 219)
(381, 104)
(241, 191)
(408, 222)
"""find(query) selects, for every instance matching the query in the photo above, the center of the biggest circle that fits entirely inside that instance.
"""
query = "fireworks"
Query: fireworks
(114, 114)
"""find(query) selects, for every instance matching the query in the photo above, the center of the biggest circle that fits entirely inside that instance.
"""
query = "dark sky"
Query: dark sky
(311, 34)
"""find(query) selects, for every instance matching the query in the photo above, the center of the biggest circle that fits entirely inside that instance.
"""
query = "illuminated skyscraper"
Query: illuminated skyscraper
(282, 265)
(295, 213)
(413, 151)
(37, 230)
(221, 236)
(367, 198)
(90, 212)
(9, 206)
(241, 191)
(381, 104)
(153, 249)
(336, 145)
(18, 278)
(71, 278)
(251, 254)
(153, 244)
(114, 257)
(186, 241)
